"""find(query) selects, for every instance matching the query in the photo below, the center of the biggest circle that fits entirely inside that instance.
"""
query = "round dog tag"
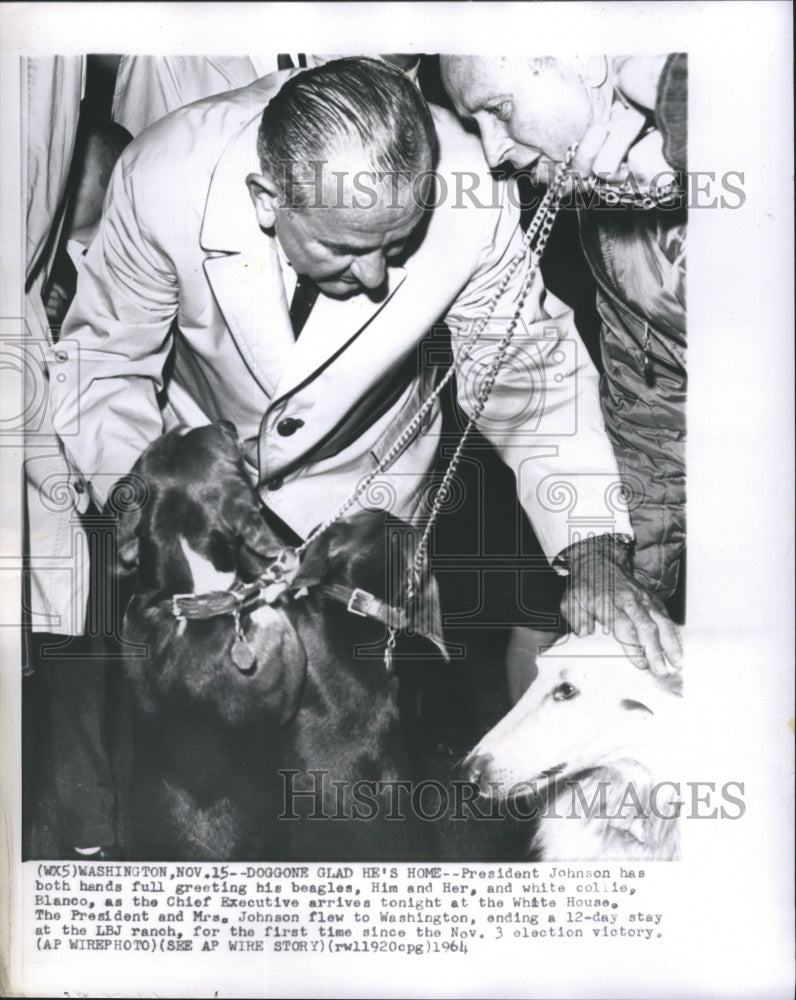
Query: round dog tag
(242, 655)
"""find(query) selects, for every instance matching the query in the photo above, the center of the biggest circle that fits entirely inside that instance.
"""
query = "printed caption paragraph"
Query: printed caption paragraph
(339, 909)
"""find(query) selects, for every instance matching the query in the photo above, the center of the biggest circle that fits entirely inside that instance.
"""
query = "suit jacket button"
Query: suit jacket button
(276, 484)
(288, 426)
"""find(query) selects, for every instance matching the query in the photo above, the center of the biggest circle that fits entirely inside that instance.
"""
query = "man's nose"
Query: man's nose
(370, 269)
(495, 141)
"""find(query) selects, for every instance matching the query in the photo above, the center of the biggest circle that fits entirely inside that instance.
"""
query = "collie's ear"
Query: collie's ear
(635, 706)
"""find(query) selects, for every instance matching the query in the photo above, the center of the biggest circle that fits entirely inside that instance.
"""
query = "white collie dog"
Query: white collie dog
(594, 743)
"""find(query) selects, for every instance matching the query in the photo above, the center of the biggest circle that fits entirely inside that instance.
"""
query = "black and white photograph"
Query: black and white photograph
(247, 383)
(366, 407)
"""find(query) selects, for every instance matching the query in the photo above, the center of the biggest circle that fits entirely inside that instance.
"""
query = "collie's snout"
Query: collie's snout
(476, 770)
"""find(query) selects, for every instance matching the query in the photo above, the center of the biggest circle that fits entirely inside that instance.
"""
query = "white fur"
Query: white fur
(620, 728)
(206, 578)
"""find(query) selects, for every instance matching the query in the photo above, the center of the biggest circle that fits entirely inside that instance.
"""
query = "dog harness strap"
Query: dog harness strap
(360, 602)
(211, 605)
(357, 601)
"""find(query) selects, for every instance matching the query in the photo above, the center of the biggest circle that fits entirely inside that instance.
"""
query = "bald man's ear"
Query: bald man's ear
(264, 196)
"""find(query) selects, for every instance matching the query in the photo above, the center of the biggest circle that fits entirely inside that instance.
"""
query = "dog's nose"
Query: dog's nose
(476, 770)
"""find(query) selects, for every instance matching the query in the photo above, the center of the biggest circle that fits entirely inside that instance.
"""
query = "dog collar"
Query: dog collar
(366, 605)
(277, 580)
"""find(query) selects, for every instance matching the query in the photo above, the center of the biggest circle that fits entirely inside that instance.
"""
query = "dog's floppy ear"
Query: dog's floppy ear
(313, 567)
(229, 429)
(126, 502)
(374, 552)
(425, 614)
(257, 536)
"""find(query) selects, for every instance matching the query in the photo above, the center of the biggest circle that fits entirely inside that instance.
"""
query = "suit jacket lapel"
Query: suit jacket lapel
(248, 289)
(331, 327)
(244, 271)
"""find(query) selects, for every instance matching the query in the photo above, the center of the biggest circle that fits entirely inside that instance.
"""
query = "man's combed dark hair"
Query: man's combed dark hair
(345, 105)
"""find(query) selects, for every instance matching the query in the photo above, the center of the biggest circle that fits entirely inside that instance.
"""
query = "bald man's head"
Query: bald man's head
(527, 109)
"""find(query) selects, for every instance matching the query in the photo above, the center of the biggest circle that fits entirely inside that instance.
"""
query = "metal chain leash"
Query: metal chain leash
(611, 195)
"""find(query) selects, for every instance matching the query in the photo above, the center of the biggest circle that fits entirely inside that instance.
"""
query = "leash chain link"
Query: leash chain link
(664, 196)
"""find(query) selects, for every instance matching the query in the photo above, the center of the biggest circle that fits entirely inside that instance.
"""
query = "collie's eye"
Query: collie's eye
(565, 691)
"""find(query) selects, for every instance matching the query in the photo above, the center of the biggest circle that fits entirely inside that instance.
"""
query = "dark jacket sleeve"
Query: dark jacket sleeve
(671, 110)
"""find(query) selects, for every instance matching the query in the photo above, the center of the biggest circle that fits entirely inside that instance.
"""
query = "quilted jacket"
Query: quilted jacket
(638, 260)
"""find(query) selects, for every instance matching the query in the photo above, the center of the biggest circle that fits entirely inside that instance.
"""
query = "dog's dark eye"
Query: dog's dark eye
(565, 691)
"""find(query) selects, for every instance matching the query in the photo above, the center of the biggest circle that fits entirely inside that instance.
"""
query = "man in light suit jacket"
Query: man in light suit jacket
(348, 179)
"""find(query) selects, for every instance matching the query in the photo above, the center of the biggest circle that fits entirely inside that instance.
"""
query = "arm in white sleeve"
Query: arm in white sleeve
(108, 366)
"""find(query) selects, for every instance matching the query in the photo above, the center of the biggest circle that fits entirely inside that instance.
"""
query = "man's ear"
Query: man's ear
(264, 196)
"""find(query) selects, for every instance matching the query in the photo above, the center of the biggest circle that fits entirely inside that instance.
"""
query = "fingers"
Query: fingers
(623, 128)
(650, 641)
(638, 76)
(670, 639)
(612, 153)
(572, 607)
(645, 160)
(637, 619)
(655, 633)
(588, 148)
(626, 632)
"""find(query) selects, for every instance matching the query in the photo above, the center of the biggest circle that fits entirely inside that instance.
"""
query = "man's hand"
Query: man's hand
(602, 589)
(614, 150)
(56, 304)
